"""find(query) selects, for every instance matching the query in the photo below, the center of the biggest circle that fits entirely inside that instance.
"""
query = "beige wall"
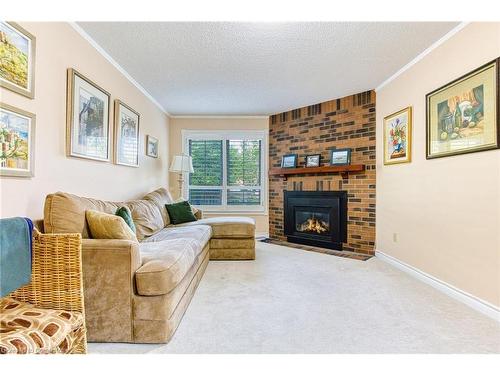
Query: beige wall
(446, 212)
(224, 123)
(58, 47)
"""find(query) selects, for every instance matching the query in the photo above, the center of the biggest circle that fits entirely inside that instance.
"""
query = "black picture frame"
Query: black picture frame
(346, 160)
(428, 153)
(285, 161)
(313, 156)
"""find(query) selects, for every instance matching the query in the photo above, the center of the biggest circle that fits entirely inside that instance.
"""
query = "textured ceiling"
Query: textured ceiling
(225, 68)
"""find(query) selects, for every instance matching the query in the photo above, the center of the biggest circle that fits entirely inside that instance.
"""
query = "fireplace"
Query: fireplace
(317, 218)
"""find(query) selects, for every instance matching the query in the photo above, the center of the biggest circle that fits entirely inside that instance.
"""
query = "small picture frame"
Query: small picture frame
(126, 135)
(151, 146)
(289, 161)
(313, 160)
(340, 156)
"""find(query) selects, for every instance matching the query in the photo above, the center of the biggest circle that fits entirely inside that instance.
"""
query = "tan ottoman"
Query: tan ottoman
(233, 238)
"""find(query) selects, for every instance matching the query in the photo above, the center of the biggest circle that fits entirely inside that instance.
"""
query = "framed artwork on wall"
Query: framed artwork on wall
(17, 59)
(340, 156)
(289, 161)
(462, 116)
(87, 119)
(151, 146)
(17, 142)
(126, 132)
(313, 160)
(397, 137)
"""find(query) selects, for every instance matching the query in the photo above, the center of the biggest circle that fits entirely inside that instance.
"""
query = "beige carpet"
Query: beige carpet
(296, 301)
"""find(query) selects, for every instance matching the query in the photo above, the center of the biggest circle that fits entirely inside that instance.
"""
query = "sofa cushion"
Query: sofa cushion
(107, 226)
(164, 264)
(28, 329)
(160, 197)
(65, 213)
(200, 233)
(147, 217)
(227, 227)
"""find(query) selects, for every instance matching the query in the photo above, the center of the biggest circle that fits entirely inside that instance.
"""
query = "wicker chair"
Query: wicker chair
(56, 281)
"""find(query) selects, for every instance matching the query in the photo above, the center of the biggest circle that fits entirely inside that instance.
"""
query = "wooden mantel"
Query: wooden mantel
(344, 170)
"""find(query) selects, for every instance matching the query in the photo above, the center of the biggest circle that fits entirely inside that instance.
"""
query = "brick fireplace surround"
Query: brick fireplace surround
(341, 123)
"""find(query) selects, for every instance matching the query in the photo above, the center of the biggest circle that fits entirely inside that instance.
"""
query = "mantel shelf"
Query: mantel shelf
(344, 170)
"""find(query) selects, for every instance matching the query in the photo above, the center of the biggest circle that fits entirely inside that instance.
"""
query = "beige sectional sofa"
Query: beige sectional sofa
(138, 291)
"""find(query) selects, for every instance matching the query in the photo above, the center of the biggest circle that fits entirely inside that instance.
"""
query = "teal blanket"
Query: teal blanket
(15, 253)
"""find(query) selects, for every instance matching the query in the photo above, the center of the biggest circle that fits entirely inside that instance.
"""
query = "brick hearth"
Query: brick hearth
(341, 123)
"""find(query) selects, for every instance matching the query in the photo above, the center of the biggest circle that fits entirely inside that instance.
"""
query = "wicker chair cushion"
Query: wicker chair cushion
(25, 329)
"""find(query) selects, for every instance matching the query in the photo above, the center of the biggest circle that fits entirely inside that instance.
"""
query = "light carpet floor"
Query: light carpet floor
(296, 301)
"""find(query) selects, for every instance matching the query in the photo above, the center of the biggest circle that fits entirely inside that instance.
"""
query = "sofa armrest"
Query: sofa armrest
(108, 281)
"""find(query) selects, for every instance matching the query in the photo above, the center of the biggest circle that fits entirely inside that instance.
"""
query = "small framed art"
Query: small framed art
(340, 156)
(313, 160)
(397, 137)
(126, 135)
(151, 146)
(289, 161)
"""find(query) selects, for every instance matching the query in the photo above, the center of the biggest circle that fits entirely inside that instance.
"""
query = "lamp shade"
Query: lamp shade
(182, 163)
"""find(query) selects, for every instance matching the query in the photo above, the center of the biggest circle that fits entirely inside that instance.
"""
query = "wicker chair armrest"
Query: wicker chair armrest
(56, 275)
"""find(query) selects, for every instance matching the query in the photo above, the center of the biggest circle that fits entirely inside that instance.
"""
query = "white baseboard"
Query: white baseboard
(474, 302)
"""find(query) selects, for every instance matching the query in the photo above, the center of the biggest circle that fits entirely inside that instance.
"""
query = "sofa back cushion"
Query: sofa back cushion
(65, 213)
(160, 197)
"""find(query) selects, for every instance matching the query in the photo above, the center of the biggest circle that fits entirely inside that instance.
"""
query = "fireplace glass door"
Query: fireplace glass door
(312, 221)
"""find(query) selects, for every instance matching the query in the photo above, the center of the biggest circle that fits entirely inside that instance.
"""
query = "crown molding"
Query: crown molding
(200, 117)
(113, 62)
(432, 47)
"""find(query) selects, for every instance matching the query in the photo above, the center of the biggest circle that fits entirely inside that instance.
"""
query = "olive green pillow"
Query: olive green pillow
(180, 212)
(125, 214)
(108, 226)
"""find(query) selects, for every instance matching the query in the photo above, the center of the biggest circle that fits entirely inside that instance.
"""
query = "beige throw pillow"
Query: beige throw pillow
(107, 226)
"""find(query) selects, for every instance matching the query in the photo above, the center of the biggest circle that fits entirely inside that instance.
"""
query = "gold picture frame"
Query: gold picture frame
(398, 136)
(19, 42)
(88, 129)
(17, 138)
(462, 116)
(126, 151)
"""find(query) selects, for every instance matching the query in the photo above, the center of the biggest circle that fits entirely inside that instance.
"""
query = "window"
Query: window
(228, 170)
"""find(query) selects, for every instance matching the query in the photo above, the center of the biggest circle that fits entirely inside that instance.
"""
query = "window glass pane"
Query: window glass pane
(207, 163)
(236, 197)
(243, 163)
(205, 197)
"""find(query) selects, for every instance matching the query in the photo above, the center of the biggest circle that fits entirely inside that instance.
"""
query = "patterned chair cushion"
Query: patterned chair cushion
(27, 329)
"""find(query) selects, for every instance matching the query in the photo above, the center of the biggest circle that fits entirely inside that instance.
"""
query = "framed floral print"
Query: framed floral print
(397, 137)
(17, 59)
(152, 146)
(17, 142)
(126, 133)
(87, 119)
(462, 116)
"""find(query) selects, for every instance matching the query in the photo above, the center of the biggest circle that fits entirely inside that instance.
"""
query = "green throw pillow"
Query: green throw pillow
(125, 214)
(180, 212)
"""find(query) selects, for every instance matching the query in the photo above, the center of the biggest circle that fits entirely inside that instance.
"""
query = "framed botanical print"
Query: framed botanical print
(462, 116)
(87, 119)
(17, 59)
(17, 142)
(151, 146)
(340, 156)
(126, 134)
(397, 137)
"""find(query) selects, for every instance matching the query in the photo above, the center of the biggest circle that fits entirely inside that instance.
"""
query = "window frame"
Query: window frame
(224, 136)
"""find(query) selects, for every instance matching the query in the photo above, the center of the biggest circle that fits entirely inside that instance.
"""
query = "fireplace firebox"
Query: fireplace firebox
(316, 218)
